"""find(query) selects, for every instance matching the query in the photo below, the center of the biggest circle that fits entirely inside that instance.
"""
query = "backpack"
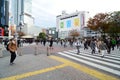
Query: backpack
(7, 47)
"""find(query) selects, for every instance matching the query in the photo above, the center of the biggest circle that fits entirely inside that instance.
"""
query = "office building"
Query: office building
(22, 15)
(4, 15)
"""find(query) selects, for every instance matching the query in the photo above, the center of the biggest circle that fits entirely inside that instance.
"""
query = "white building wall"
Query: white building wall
(28, 6)
(67, 22)
(28, 21)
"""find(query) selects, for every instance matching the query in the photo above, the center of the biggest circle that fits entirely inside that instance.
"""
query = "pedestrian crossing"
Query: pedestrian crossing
(110, 63)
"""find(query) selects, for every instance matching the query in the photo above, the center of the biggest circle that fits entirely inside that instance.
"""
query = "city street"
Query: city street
(62, 64)
(59, 40)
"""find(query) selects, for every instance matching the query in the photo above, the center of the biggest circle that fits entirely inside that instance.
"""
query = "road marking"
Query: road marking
(85, 69)
(96, 65)
(28, 74)
(98, 57)
(92, 59)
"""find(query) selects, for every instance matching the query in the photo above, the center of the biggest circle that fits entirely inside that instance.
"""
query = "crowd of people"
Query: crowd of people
(97, 45)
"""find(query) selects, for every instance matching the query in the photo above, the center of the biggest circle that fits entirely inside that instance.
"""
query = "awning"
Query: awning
(27, 36)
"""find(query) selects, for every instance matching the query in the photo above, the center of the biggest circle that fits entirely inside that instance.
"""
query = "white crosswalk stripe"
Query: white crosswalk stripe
(109, 56)
(97, 57)
(110, 64)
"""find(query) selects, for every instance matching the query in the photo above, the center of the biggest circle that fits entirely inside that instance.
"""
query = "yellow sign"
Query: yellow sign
(76, 22)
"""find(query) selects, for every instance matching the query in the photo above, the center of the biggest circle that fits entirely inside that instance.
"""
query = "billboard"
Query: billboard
(69, 23)
(76, 22)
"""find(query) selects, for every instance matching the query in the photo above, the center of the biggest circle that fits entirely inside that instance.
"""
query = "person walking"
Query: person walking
(12, 46)
(109, 44)
(103, 48)
(44, 42)
(92, 46)
(78, 44)
(51, 43)
(113, 43)
(85, 44)
(65, 43)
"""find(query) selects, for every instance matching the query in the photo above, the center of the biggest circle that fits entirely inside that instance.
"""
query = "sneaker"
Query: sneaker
(11, 63)
(102, 56)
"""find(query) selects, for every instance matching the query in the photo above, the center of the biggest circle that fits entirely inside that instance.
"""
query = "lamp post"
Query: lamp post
(19, 40)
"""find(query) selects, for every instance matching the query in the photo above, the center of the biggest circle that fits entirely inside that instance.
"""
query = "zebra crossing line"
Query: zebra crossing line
(99, 58)
(110, 64)
(114, 56)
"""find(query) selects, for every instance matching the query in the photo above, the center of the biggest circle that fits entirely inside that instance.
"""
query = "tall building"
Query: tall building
(16, 10)
(4, 14)
(4, 9)
(22, 15)
(74, 21)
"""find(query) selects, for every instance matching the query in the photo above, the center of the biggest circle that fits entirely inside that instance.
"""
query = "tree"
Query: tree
(98, 22)
(74, 33)
(106, 23)
(42, 35)
(114, 23)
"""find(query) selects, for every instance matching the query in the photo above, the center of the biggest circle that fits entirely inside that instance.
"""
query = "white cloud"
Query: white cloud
(47, 10)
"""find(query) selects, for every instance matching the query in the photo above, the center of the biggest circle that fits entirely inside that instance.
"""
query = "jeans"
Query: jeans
(78, 51)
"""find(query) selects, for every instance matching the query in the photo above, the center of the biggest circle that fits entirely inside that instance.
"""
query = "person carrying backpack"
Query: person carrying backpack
(12, 47)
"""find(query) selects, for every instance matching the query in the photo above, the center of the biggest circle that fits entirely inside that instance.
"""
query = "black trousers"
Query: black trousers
(13, 56)
(93, 51)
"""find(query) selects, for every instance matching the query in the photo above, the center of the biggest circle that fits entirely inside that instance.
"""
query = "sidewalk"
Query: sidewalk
(40, 67)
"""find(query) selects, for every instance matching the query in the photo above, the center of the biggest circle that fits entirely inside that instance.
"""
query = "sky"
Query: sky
(45, 11)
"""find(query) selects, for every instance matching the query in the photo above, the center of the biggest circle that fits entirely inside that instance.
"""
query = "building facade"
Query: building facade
(22, 15)
(74, 21)
(15, 11)
(28, 24)
(52, 32)
(4, 15)
(4, 12)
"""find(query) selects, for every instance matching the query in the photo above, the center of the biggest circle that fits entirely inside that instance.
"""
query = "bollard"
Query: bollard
(48, 53)
(36, 52)
(20, 51)
(1, 54)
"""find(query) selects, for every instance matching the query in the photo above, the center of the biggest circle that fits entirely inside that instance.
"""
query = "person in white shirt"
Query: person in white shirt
(78, 44)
